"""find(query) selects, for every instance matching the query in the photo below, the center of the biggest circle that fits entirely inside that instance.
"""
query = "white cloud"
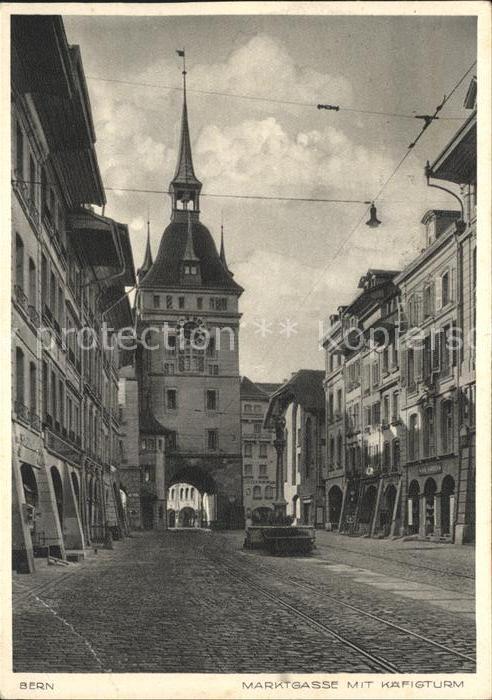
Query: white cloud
(261, 156)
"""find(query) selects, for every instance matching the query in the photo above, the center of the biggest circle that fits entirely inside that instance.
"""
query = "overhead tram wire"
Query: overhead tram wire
(410, 149)
(388, 180)
(271, 100)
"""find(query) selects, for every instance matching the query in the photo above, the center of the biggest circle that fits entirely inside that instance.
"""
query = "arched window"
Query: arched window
(187, 492)
(181, 494)
(447, 426)
(429, 441)
(172, 494)
(269, 492)
(413, 437)
(257, 492)
(192, 493)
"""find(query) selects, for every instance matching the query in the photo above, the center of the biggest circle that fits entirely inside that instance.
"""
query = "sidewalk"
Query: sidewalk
(448, 558)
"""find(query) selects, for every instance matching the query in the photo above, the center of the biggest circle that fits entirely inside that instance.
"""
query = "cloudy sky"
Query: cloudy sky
(288, 256)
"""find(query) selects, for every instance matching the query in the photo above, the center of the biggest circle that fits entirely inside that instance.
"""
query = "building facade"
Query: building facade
(363, 475)
(188, 370)
(400, 377)
(301, 403)
(69, 272)
(259, 454)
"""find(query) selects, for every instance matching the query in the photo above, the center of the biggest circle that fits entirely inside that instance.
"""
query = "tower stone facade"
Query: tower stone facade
(188, 324)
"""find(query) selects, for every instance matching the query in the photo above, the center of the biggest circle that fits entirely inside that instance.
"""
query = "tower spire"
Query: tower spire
(185, 186)
(148, 261)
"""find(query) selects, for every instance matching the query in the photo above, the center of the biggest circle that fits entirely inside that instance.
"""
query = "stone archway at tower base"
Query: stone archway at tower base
(220, 476)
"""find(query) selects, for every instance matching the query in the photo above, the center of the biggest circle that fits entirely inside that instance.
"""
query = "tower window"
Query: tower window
(157, 301)
(213, 440)
(218, 303)
(171, 398)
(169, 302)
(211, 400)
(181, 302)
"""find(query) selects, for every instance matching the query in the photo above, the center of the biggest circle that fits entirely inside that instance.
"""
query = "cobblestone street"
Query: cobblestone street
(193, 601)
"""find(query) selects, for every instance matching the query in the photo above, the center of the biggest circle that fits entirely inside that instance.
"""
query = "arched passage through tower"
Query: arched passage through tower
(191, 498)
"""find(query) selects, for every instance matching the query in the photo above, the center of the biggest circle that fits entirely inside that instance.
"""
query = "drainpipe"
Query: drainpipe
(460, 227)
(110, 434)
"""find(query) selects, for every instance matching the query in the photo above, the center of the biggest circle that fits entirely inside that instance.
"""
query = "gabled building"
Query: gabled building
(301, 402)
(188, 324)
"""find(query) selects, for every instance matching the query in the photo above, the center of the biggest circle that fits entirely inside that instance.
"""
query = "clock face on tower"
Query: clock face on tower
(194, 330)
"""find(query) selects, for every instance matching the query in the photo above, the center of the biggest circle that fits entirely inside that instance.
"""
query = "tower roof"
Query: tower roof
(148, 261)
(186, 239)
(222, 254)
(166, 270)
(189, 253)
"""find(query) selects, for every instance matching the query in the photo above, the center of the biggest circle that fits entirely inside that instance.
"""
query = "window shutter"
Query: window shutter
(438, 293)
(403, 367)
(436, 353)
(418, 355)
(432, 298)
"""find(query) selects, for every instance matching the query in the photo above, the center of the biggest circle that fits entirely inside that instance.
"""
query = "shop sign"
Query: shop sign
(426, 469)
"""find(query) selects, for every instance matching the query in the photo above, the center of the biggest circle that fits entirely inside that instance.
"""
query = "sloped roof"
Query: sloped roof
(268, 388)
(149, 425)
(250, 390)
(166, 270)
(305, 387)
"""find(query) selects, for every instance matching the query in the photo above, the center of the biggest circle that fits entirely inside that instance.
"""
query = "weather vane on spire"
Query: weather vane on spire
(181, 52)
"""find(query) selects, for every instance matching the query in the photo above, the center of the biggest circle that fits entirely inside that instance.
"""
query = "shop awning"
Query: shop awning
(96, 237)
